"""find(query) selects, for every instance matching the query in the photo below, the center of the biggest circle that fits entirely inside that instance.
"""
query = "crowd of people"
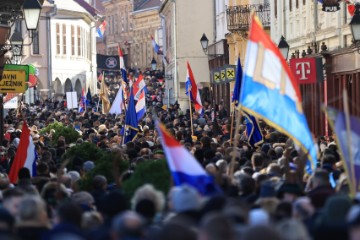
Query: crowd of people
(265, 192)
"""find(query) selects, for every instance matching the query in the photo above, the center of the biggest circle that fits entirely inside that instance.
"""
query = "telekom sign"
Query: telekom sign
(307, 70)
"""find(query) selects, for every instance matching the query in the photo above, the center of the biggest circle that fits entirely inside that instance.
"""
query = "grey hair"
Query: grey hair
(148, 192)
(31, 207)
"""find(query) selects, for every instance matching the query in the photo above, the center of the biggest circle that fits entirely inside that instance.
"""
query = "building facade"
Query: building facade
(119, 28)
(184, 22)
(320, 30)
(64, 49)
(238, 14)
(147, 24)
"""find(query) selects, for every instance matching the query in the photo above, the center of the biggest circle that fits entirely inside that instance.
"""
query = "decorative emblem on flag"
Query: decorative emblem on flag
(111, 62)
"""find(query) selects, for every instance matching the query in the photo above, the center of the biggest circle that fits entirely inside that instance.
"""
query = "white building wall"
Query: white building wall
(298, 25)
(221, 21)
(64, 66)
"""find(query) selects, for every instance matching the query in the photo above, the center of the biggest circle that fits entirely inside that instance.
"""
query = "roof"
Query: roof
(149, 4)
(87, 7)
(74, 6)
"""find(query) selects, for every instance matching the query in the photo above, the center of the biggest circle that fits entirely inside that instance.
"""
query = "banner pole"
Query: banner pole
(232, 125)
(236, 143)
(191, 120)
(348, 133)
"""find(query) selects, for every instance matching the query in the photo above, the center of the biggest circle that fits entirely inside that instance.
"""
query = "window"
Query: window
(116, 28)
(64, 39)
(72, 40)
(297, 3)
(82, 42)
(78, 41)
(109, 24)
(18, 27)
(112, 23)
(58, 46)
(290, 5)
(35, 43)
(304, 2)
(275, 8)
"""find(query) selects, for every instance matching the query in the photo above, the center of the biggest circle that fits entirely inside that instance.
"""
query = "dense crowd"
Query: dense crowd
(266, 194)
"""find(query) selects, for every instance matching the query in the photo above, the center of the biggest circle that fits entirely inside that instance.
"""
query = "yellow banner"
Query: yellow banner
(13, 82)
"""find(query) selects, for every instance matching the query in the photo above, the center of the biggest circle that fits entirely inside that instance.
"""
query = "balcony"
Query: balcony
(238, 17)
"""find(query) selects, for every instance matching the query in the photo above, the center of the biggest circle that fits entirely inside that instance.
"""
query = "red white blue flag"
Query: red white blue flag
(101, 30)
(184, 168)
(82, 103)
(156, 47)
(122, 65)
(192, 89)
(138, 86)
(141, 106)
(25, 155)
(270, 91)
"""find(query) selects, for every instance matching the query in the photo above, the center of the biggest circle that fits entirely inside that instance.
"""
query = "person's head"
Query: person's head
(302, 208)
(261, 232)
(184, 198)
(84, 199)
(175, 231)
(127, 225)
(257, 161)
(69, 213)
(11, 200)
(291, 229)
(24, 173)
(91, 220)
(320, 178)
(216, 227)
(99, 182)
(32, 209)
(66, 180)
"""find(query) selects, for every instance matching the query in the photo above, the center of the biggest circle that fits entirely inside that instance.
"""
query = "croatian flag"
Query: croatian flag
(138, 86)
(101, 30)
(192, 89)
(156, 47)
(184, 168)
(269, 91)
(141, 106)
(118, 104)
(82, 104)
(25, 155)
(122, 65)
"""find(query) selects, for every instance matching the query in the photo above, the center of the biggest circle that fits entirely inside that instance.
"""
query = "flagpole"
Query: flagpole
(236, 143)
(191, 120)
(348, 134)
(232, 125)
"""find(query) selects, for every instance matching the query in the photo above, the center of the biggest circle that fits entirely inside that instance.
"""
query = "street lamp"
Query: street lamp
(204, 42)
(284, 47)
(16, 47)
(355, 25)
(31, 12)
(153, 64)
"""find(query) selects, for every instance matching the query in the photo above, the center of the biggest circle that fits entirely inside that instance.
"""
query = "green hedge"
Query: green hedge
(70, 134)
(155, 172)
